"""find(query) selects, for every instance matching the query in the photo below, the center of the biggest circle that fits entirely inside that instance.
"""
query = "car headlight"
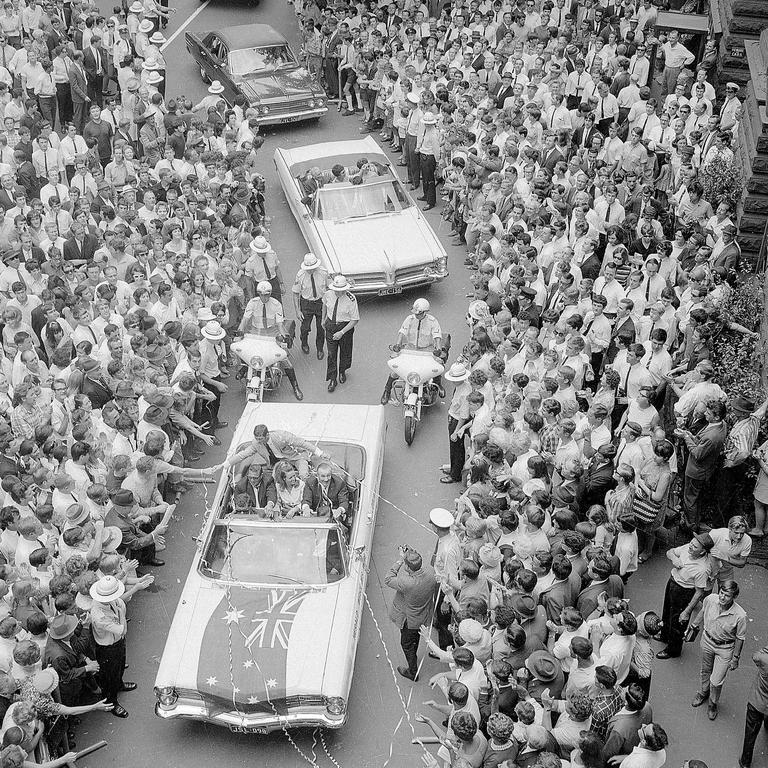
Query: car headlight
(335, 705)
(257, 362)
(265, 110)
(413, 379)
(441, 263)
(319, 102)
(167, 695)
(311, 103)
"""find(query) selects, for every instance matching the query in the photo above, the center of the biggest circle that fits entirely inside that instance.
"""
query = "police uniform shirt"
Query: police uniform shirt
(262, 266)
(340, 307)
(420, 333)
(257, 310)
(303, 286)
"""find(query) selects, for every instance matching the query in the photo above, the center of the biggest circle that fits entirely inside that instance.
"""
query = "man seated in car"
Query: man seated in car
(259, 487)
(326, 495)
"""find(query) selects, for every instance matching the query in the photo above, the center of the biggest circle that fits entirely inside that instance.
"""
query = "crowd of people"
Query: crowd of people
(585, 417)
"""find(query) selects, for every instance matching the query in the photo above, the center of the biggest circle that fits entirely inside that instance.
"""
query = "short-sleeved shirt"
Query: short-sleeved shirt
(758, 694)
(723, 626)
(310, 284)
(341, 306)
(420, 333)
(724, 549)
(459, 407)
(257, 311)
(694, 573)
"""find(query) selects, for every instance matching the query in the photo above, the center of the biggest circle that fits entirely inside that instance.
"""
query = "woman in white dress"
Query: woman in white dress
(290, 489)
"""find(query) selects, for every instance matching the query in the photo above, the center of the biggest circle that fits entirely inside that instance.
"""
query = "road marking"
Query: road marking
(184, 25)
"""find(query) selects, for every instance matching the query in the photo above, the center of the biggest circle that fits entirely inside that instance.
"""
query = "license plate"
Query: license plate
(246, 729)
(291, 119)
(390, 291)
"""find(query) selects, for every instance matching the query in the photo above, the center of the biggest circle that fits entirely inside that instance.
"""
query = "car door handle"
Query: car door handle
(304, 215)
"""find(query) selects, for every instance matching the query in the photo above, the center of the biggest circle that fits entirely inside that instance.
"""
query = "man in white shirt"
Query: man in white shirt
(607, 285)
(676, 57)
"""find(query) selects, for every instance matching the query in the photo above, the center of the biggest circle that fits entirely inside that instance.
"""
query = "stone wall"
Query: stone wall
(739, 21)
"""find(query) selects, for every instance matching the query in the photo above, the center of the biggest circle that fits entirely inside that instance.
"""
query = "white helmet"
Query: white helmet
(264, 286)
(420, 305)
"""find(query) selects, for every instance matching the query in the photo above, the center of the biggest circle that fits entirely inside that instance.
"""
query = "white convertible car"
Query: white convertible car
(266, 629)
(371, 231)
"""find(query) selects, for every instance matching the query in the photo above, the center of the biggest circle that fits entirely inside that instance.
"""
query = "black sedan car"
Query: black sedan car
(256, 61)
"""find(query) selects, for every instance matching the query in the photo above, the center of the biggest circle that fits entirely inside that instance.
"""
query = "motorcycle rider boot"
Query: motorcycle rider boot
(440, 387)
(291, 374)
(387, 391)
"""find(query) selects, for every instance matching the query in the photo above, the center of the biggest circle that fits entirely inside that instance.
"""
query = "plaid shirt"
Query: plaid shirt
(24, 421)
(604, 707)
(549, 437)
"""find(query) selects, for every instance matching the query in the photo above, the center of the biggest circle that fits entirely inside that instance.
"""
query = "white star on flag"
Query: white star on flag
(212, 681)
(248, 663)
(236, 690)
(272, 683)
(253, 699)
(233, 616)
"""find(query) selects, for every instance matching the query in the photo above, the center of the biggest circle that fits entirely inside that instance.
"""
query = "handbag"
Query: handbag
(644, 508)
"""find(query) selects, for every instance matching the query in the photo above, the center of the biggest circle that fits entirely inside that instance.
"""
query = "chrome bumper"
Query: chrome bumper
(307, 717)
(412, 281)
(291, 117)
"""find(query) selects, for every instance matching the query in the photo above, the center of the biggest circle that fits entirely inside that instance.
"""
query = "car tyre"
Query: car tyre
(204, 77)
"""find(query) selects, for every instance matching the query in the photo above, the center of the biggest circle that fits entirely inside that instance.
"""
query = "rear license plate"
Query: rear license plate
(390, 291)
(246, 729)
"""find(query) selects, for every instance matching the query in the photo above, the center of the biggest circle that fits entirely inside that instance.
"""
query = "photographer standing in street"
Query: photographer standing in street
(415, 587)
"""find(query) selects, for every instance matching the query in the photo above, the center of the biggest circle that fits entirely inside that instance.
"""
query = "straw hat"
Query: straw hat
(137, 7)
(215, 87)
(204, 315)
(340, 284)
(429, 119)
(212, 330)
(111, 539)
(158, 38)
(107, 589)
(458, 372)
(46, 680)
(76, 514)
(260, 245)
(310, 262)
(146, 26)
(154, 78)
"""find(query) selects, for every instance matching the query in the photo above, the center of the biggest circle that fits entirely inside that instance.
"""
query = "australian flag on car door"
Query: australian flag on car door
(243, 656)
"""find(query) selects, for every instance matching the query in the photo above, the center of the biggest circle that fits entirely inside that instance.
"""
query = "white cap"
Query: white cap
(441, 518)
(264, 286)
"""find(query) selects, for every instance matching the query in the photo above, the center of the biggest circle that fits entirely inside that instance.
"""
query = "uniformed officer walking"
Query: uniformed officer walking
(340, 316)
(264, 316)
(263, 264)
(308, 289)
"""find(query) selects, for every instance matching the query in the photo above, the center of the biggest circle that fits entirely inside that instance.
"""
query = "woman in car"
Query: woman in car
(290, 489)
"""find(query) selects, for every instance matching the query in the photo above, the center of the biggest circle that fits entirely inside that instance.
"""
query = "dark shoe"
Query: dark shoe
(441, 392)
(422, 198)
(297, 393)
(347, 112)
(665, 654)
(385, 399)
(129, 686)
(712, 711)
(405, 672)
(343, 376)
(427, 207)
(305, 347)
(320, 353)
(447, 479)
(220, 424)
(433, 656)
(402, 165)
(155, 562)
(332, 385)
(119, 711)
(699, 698)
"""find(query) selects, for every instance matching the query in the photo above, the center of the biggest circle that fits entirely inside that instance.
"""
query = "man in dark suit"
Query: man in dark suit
(601, 580)
(93, 384)
(730, 255)
(624, 328)
(582, 137)
(78, 85)
(415, 586)
(136, 543)
(560, 593)
(598, 479)
(258, 486)
(76, 672)
(55, 36)
(704, 450)
(506, 90)
(81, 246)
(326, 494)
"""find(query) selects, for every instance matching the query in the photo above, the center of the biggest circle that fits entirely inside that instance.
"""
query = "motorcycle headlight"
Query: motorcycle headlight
(335, 705)
(257, 362)
(413, 379)
(167, 695)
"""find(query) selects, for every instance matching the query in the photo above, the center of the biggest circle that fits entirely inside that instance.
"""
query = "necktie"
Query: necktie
(647, 288)
(653, 326)
(626, 380)
(266, 267)
(589, 327)
(93, 335)
(645, 122)
(418, 332)
(314, 286)
(335, 309)
(608, 213)
(601, 109)
(264, 314)
(45, 160)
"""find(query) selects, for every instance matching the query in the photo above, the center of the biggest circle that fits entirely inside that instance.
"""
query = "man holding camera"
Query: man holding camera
(415, 586)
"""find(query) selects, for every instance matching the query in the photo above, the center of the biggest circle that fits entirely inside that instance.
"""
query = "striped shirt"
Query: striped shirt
(741, 441)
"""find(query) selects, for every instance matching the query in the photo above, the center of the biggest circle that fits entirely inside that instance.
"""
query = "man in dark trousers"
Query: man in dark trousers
(340, 316)
(704, 450)
(326, 494)
(78, 85)
(94, 63)
(77, 681)
(415, 588)
(757, 707)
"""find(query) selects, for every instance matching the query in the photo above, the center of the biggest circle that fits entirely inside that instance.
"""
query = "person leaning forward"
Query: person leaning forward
(340, 316)
(137, 543)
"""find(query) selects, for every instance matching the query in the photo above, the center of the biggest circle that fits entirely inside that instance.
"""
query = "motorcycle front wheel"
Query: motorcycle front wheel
(410, 428)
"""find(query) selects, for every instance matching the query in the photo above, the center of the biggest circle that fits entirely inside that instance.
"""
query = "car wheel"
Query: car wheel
(204, 76)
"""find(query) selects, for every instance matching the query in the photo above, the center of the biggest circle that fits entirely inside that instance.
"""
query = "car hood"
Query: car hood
(250, 649)
(379, 243)
(277, 86)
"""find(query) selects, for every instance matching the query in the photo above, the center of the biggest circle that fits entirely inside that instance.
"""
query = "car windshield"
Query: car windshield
(337, 202)
(262, 59)
(274, 554)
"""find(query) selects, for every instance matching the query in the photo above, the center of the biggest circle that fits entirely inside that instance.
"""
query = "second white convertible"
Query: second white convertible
(362, 223)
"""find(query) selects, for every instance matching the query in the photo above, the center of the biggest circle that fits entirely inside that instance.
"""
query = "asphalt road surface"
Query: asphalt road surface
(409, 482)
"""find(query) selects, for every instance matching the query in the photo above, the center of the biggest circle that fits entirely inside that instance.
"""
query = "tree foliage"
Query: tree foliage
(722, 181)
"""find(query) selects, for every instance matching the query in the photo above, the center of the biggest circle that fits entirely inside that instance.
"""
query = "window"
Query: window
(338, 202)
(248, 61)
(266, 553)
